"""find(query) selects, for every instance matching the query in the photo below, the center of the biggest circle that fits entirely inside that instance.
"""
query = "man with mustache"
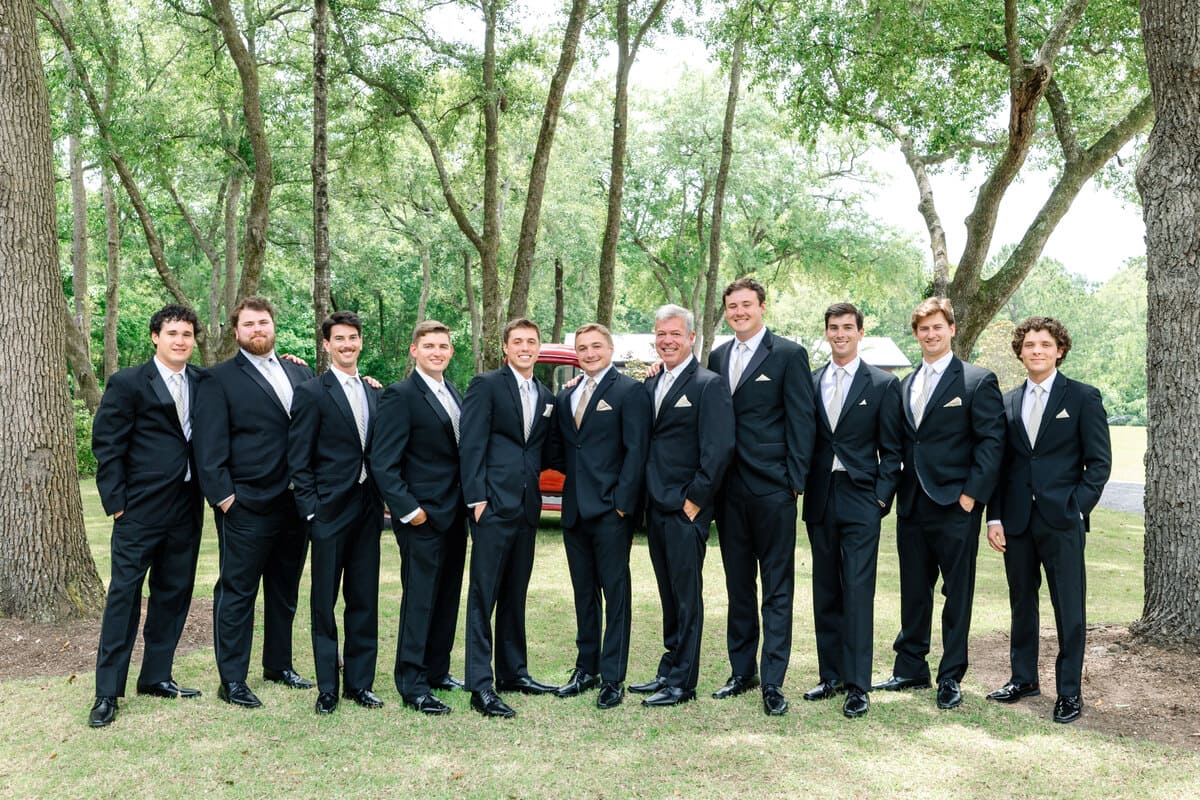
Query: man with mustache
(242, 418)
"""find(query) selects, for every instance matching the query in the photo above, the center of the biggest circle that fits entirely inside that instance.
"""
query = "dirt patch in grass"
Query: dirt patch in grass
(29, 649)
(1130, 690)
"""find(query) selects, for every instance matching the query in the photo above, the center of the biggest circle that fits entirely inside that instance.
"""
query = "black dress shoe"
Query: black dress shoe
(611, 695)
(825, 690)
(427, 704)
(288, 678)
(364, 697)
(577, 684)
(896, 684)
(774, 703)
(238, 693)
(447, 684)
(489, 704)
(167, 688)
(525, 685)
(326, 702)
(1068, 708)
(650, 686)
(737, 684)
(949, 694)
(669, 696)
(104, 711)
(856, 703)
(1012, 692)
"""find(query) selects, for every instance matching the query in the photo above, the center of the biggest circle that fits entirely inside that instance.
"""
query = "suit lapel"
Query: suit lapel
(822, 412)
(760, 355)
(434, 403)
(1015, 400)
(252, 372)
(677, 387)
(159, 387)
(906, 395)
(949, 376)
(854, 390)
(338, 395)
(609, 379)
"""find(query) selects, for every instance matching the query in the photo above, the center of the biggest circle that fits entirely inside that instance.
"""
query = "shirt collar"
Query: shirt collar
(597, 379)
(166, 372)
(259, 359)
(675, 373)
(753, 342)
(850, 368)
(432, 383)
(520, 378)
(940, 365)
(1047, 384)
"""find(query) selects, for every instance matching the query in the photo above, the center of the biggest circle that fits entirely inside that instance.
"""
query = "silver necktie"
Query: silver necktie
(738, 366)
(664, 386)
(451, 409)
(927, 375)
(527, 406)
(835, 403)
(1034, 423)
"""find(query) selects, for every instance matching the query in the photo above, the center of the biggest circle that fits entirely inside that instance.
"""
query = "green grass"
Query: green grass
(569, 749)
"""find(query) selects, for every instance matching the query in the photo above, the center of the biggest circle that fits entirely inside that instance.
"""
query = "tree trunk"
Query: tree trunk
(489, 254)
(264, 176)
(559, 307)
(46, 569)
(233, 201)
(320, 177)
(712, 313)
(473, 310)
(626, 54)
(518, 300)
(112, 283)
(1168, 179)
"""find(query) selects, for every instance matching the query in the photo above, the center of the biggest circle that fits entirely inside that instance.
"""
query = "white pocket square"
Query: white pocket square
(955, 402)
(761, 378)
(549, 410)
(603, 406)
(863, 403)
(1062, 415)
(683, 402)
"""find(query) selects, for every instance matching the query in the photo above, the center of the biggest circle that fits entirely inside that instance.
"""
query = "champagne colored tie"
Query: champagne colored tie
(584, 399)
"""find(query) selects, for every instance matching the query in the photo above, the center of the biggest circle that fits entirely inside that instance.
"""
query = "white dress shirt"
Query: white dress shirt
(828, 382)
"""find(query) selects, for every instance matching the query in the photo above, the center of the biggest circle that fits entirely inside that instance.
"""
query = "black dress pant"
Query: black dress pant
(1060, 552)
(501, 565)
(845, 552)
(677, 548)
(936, 540)
(431, 570)
(758, 542)
(346, 555)
(257, 545)
(168, 553)
(598, 559)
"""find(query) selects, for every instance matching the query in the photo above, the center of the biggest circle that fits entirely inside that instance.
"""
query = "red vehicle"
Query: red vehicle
(557, 364)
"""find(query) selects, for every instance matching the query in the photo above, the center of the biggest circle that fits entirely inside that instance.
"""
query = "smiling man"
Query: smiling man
(599, 442)
(691, 444)
(242, 420)
(141, 438)
(332, 419)
(953, 443)
(506, 418)
(856, 461)
(771, 384)
(414, 459)
(1057, 458)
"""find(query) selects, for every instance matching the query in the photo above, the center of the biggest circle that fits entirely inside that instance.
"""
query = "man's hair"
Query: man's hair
(254, 303)
(427, 327)
(841, 310)
(594, 327)
(340, 318)
(1048, 324)
(521, 322)
(174, 313)
(930, 306)
(672, 311)
(746, 283)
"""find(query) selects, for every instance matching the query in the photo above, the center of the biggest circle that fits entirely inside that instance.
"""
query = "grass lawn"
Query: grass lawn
(557, 748)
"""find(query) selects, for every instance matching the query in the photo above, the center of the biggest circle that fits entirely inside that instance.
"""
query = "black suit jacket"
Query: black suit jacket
(498, 464)
(241, 434)
(691, 441)
(867, 439)
(325, 456)
(773, 409)
(1065, 471)
(604, 461)
(141, 454)
(958, 447)
(413, 455)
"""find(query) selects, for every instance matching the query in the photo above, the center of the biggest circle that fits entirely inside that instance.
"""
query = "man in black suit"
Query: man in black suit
(242, 419)
(953, 443)
(1057, 458)
(414, 459)
(332, 419)
(771, 384)
(599, 442)
(856, 462)
(506, 417)
(141, 438)
(691, 444)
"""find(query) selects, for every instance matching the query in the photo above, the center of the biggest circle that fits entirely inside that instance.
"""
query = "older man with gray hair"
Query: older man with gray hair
(691, 444)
